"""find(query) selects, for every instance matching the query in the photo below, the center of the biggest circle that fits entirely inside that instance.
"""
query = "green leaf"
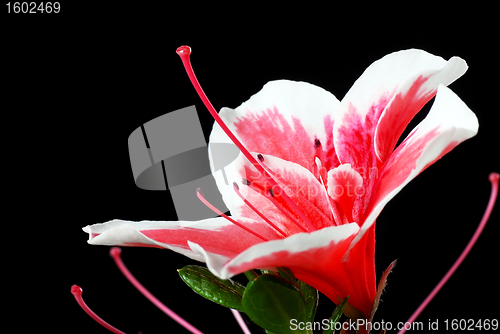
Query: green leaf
(287, 274)
(337, 313)
(272, 302)
(224, 292)
(311, 298)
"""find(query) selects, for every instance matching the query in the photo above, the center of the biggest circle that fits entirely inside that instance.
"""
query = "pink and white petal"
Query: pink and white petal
(409, 100)
(300, 185)
(448, 123)
(314, 257)
(395, 87)
(216, 234)
(344, 185)
(283, 120)
(289, 252)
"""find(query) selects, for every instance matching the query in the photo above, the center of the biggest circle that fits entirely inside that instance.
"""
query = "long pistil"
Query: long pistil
(77, 292)
(184, 52)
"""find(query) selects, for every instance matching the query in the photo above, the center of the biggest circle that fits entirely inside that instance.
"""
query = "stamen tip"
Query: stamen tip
(260, 157)
(115, 252)
(246, 182)
(200, 193)
(183, 50)
(317, 143)
(76, 290)
(494, 177)
(235, 185)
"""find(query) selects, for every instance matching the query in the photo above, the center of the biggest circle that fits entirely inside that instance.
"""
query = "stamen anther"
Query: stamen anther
(317, 143)
(77, 292)
(319, 155)
(246, 182)
(260, 157)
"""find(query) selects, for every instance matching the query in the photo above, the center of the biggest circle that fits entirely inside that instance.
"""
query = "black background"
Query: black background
(77, 83)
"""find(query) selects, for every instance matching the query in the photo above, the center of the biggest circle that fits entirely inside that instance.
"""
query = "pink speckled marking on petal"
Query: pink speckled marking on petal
(270, 133)
(398, 114)
(331, 160)
(355, 146)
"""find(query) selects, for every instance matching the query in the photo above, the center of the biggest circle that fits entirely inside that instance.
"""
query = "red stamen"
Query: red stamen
(184, 52)
(318, 150)
(237, 190)
(320, 155)
(271, 196)
(266, 168)
(339, 216)
(241, 322)
(279, 205)
(77, 292)
(494, 177)
(282, 194)
(340, 219)
(331, 203)
(217, 211)
(115, 254)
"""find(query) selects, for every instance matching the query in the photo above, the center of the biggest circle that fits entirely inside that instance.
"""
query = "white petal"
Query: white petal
(216, 234)
(368, 102)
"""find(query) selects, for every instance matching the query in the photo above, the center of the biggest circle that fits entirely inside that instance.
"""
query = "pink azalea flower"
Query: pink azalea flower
(322, 171)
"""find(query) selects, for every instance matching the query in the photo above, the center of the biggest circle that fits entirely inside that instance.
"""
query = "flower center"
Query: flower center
(338, 216)
(305, 224)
